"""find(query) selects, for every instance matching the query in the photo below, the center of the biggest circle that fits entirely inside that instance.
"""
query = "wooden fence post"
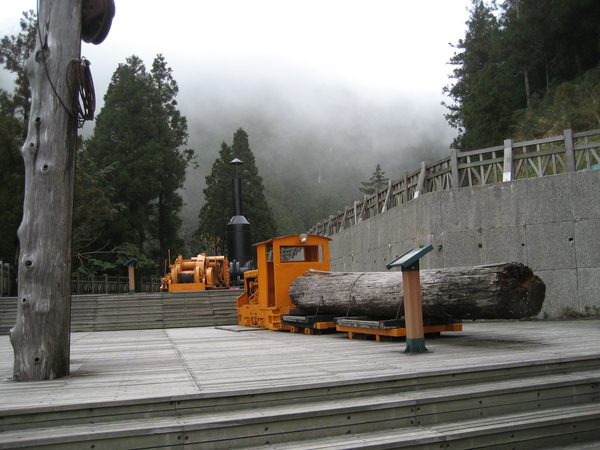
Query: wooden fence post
(421, 184)
(1, 278)
(508, 171)
(569, 150)
(454, 177)
(387, 197)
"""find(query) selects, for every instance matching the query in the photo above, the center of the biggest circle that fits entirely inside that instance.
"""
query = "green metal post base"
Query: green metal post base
(415, 345)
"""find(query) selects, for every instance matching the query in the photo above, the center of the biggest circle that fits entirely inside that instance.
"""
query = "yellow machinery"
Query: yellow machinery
(279, 262)
(197, 274)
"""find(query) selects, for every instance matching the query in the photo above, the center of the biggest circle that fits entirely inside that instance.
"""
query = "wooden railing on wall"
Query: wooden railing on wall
(110, 285)
(570, 152)
(103, 284)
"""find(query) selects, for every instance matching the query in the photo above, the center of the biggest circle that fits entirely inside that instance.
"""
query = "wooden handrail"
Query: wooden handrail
(554, 155)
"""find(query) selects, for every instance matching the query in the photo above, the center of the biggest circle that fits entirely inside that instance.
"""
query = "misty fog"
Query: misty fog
(314, 139)
(324, 97)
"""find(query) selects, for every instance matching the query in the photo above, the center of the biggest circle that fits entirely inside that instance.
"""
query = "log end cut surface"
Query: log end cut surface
(522, 292)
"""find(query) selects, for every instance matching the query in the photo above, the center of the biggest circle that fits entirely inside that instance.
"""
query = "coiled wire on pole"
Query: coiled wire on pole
(81, 86)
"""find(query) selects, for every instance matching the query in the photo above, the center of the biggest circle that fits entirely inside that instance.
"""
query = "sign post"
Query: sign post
(130, 264)
(413, 307)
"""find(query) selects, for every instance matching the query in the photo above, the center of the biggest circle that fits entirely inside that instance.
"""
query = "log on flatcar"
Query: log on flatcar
(495, 291)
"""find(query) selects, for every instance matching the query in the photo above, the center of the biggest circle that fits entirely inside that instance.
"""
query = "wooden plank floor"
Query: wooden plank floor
(149, 364)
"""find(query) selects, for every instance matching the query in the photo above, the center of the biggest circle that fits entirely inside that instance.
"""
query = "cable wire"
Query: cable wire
(79, 82)
(84, 97)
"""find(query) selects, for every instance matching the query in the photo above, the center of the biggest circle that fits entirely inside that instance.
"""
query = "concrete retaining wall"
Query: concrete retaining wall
(551, 224)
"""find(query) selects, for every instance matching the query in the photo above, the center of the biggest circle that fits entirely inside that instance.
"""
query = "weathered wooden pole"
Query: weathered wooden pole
(40, 337)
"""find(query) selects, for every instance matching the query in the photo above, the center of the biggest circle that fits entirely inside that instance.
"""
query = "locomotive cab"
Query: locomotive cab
(279, 262)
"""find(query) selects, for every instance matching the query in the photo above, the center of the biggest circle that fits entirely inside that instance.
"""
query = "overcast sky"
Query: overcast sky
(357, 82)
(379, 47)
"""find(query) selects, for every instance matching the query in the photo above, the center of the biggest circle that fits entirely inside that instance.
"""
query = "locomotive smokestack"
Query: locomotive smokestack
(239, 246)
(237, 189)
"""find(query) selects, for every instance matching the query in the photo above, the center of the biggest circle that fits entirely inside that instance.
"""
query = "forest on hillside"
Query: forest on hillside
(524, 69)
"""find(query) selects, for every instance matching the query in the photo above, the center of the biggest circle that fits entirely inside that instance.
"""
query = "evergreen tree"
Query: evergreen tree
(91, 207)
(572, 104)
(218, 209)
(14, 113)
(510, 61)
(377, 180)
(165, 220)
(550, 41)
(11, 177)
(484, 92)
(14, 51)
(92, 210)
(139, 134)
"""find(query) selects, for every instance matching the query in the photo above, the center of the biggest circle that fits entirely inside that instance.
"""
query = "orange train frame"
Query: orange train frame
(266, 296)
(266, 292)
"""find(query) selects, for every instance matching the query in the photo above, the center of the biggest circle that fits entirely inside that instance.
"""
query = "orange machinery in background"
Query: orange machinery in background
(197, 274)
(279, 262)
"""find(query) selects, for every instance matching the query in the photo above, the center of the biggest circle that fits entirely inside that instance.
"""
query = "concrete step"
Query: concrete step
(424, 410)
(140, 311)
(575, 427)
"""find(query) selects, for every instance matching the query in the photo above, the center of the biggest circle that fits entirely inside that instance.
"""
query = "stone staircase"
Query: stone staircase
(517, 406)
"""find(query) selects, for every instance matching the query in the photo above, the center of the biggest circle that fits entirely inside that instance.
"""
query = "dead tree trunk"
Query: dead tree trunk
(500, 291)
(40, 337)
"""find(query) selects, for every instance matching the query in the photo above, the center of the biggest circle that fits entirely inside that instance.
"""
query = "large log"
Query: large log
(498, 291)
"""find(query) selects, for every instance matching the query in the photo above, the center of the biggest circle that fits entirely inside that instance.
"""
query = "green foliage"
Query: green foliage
(138, 135)
(92, 210)
(572, 104)
(14, 51)
(377, 180)
(484, 91)
(11, 178)
(111, 261)
(14, 111)
(514, 59)
(553, 41)
(218, 209)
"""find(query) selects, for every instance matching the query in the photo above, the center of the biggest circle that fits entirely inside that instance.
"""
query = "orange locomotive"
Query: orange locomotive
(279, 262)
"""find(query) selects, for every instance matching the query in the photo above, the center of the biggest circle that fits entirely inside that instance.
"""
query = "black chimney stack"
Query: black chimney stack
(239, 246)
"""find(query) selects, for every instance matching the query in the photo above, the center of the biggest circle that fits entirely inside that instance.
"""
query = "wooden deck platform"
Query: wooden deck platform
(141, 364)
(139, 367)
